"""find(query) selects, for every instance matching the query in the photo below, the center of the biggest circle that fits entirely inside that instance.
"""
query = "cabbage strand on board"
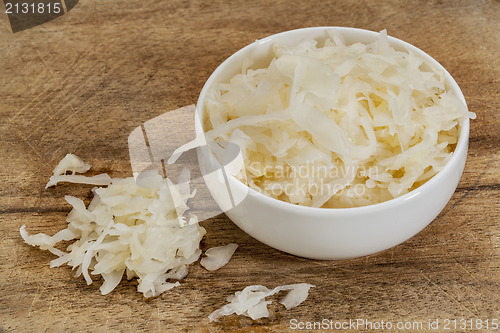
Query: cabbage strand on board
(128, 228)
(216, 257)
(250, 302)
(338, 125)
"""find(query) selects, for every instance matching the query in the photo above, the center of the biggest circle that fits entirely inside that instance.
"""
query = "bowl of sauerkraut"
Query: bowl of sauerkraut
(350, 141)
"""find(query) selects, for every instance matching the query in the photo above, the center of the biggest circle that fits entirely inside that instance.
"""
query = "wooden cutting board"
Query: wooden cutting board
(82, 82)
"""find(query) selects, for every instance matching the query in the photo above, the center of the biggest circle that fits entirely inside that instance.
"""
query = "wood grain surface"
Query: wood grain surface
(82, 82)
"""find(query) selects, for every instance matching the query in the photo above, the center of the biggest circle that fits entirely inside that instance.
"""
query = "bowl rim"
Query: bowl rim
(462, 143)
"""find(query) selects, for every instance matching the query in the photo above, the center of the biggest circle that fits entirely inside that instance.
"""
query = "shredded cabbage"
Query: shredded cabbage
(250, 301)
(132, 227)
(75, 164)
(216, 257)
(338, 125)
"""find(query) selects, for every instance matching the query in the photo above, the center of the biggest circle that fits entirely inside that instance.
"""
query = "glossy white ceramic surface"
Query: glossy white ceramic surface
(320, 233)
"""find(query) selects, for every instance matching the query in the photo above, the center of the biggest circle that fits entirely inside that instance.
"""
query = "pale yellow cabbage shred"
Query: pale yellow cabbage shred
(250, 302)
(131, 228)
(338, 125)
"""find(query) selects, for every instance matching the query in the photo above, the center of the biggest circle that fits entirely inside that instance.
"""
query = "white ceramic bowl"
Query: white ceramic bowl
(321, 233)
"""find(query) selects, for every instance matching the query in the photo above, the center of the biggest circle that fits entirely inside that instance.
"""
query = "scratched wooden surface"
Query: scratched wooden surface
(84, 81)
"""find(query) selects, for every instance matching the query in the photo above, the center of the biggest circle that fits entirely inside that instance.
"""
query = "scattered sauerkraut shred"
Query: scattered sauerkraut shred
(250, 301)
(75, 164)
(131, 229)
(216, 257)
(338, 125)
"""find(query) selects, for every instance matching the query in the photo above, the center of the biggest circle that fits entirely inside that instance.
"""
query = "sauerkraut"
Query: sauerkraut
(132, 228)
(251, 301)
(216, 257)
(337, 125)
(75, 164)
